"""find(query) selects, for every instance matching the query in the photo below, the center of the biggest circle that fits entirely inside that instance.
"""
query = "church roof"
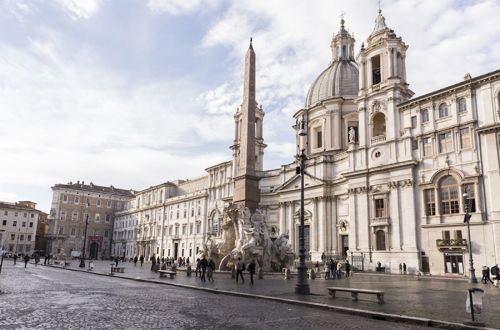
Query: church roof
(339, 79)
(379, 24)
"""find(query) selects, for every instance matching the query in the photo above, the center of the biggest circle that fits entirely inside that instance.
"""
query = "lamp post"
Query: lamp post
(302, 286)
(467, 216)
(82, 256)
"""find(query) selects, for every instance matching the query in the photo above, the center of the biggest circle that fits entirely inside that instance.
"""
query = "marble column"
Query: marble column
(322, 227)
(282, 219)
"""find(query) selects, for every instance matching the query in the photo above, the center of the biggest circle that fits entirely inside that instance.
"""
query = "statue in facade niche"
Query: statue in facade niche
(352, 135)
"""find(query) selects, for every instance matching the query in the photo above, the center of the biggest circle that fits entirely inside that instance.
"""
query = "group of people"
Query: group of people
(495, 272)
(333, 268)
(205, 269)
(240, 267)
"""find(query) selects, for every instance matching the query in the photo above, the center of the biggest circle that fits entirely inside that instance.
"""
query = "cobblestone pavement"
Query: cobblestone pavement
(434, 299)
(48, 298)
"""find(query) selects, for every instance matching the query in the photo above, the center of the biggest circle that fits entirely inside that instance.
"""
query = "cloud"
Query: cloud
(180, 7)
(8, 197)
(80, 9)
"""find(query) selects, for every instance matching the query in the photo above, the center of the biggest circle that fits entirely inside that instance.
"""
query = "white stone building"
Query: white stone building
(18, 223)
(386, 171)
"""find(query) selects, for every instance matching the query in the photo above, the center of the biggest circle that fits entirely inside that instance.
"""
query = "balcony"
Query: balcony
(382, 221)
(378, 139)
(452, 244)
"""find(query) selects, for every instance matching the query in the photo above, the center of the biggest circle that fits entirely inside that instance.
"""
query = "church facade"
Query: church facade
(389, 177)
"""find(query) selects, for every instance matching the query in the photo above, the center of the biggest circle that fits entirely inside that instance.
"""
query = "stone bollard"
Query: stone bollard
(288, 274)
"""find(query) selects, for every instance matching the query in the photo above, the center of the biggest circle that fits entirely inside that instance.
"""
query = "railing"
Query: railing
(383, 221)
(378, 138)
(451, 243)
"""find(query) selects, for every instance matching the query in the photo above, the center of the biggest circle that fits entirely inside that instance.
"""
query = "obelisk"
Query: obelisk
(246, 185)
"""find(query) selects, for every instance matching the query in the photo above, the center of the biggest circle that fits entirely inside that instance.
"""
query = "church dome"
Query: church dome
(339, 79)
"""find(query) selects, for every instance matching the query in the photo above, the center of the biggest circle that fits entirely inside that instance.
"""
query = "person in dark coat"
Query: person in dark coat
(135, 261)
(486, 275)
(495, 271)
(404, 268)
(116, 261)
(158, 260)
(197, 267)
(142, 260)
(153, 262)
(210, 270)
(26, 260)
(251, 270)
(347, 268)
(203, 266)
(15, 258)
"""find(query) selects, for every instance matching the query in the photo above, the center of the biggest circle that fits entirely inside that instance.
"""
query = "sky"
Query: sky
(133, 93)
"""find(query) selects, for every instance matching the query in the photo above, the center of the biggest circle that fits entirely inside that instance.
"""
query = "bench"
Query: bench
(115, 269)
(354, 293)
(170, 273)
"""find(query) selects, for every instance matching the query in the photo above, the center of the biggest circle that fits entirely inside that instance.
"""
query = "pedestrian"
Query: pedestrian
(15, 258)
(162, 260)
(317, 267)
(347, 268)
(251, 270)
(135, 261)
(240, 267)
(404, 268)
(116, 261)
(210, 270)
(327, 271)
(45, 260)
(187, 261)
(158, 260)
(203, 266)
(339, 270)
(153, 262)
(26, 260)
(37, 259)
(333, 268)
(197, 267)
(400, 268)
(323, 257)
(495, 271)
(486, 275)
(141, 259)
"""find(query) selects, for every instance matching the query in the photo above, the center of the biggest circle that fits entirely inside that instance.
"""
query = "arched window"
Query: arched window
(443, 110)
(380, 240)
(462, 106)
(448, 192)
(378, 124)
(376, 72)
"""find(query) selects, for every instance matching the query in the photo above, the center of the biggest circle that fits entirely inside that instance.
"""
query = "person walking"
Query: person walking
(240, 267)
(26, 260)
(116, 261)
(197, 269)
(210, 270)
(333, 268)
(400, 268)
(327, 271)
(347, 268)
(141, 259)
(153, 262)
(404, 268)
(251, 270)
(135, 261)
(486, 275)
(37, 259)
(45, 259)
(15, 258)
(495, 271)
(158, 260)
(203, 266)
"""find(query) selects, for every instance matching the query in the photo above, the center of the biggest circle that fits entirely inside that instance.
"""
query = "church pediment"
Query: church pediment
(294, 183)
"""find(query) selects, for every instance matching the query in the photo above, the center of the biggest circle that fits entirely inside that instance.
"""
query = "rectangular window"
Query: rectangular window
(97, 217)
(446, 234)
(376, 72)
(425, 115)
(65, 198)
(25, 215)
(109, 204)
(183, 229)
(77, 200)
(12, 237)
(465, 141)
(449, 199)
(414, 144)
(319, 139)
(108, 218)
(31, 224)
(106, 233)
(61, 230)
(413, 121)
(24, 224)
(427, 146)
(29, 237)
(445, 142)
(458, 234)
(98, 202)
(6, 213)
(430, 202)
(4, 222)
(14, 223)
(470, 200)
(191, 229)
(73, 231)
(380, 208)
(21, 237)
(32, 215)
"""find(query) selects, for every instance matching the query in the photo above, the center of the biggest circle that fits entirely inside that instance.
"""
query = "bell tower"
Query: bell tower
(382, 84)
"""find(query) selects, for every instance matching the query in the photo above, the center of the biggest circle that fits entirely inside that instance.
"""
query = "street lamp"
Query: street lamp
(82, 256)
(302, 286)
(467, 216)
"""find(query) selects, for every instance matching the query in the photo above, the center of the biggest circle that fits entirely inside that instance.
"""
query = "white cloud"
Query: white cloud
(8, 197)
(179, 7)
(18, 8)
(79, 9)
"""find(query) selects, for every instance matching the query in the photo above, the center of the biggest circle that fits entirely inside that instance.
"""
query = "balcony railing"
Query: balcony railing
(378, 138)
(452, 243)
